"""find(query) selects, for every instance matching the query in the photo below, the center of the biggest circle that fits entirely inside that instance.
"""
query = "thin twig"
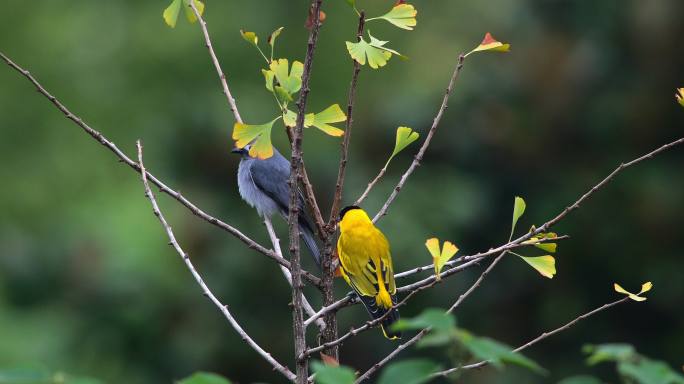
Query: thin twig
(423, 332)
(205, 289)
(334, 211)
(371, 185)
(134, 165)
(219, 71)
(299, 330)
(426, 143)
(536, 339)
(288, 276)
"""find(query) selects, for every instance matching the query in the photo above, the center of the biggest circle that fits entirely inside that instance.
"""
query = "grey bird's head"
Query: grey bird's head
(244, 152)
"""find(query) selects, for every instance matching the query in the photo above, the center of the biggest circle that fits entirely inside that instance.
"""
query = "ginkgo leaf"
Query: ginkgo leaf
(645, 287)
(439, 259)
(401, 15)
(332, 114)
(489, 43)
(374, 52)
(268, 76)
(250, 37)
(405, 136)
(518, 210)
(189, 13)
(258, 135)
(274, 35)
(289, 79)
(545, 265)
(548, 247)
(680, 96)
(170, 14)
(290, 119)
(283, 95)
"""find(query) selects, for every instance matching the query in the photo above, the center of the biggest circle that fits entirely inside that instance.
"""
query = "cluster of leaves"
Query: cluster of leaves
(443, 333)
(632, 367)
(283, 81)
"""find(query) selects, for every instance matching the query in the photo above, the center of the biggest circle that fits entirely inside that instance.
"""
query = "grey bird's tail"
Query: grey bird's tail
(306, 233)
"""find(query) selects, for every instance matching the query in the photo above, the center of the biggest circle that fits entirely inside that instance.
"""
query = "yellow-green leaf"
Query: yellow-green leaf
(489, 43)
(250, 37)
(680, 96)
(439, 259)
(332, 114)
(545, 265)
(405, 136)
(290, 119)
(274, 35)
(268, 76)
(645, 287)
(374, 52)
(258, 135)
(518, 210)
(189, 13)
(548, 247)
(170, 14)
(289, 79)
(402, 16)
(631, 295)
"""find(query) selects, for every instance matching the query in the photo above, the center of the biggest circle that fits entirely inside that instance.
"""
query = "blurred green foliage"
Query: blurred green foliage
(89, 286)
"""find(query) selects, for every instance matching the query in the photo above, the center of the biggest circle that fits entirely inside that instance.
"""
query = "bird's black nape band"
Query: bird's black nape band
(347, 209)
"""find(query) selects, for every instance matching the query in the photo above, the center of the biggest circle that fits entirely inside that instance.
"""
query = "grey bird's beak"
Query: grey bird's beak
(237, 150)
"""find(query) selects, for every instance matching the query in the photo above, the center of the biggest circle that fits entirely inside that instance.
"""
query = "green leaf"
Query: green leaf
(290, 119)
(495, 352)
(548, 247)
(250, 37)
(189, 13)
(204, 378)
(326, 374)
(374, 52)
(436, 318)
(332, 114)
(580, 380)
(289, 79)
(258, 135)
(647, 371)
(545, 265)
(402, 16)
(608, 352)
(282, 94)
(518, 210)
(268, 76)
(414, 371)
(273, 36)
(170, 14)
(405, 136)
(352, 3)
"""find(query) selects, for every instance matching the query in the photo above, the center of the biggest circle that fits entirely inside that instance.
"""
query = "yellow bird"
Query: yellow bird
(366, 265)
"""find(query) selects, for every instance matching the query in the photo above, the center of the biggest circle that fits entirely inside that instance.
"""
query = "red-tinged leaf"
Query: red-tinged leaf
(489, 43)
(400, 2)
(310, 19)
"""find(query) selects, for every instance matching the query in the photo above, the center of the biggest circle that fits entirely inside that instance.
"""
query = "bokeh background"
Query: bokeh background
(88, 284)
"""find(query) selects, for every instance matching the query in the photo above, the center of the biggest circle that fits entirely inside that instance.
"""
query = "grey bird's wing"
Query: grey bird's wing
(271, 176)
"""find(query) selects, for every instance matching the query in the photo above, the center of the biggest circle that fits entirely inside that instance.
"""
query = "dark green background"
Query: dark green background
(89, 286)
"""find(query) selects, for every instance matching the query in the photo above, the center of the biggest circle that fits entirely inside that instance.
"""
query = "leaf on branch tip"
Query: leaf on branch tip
(405, 136)
(645, 287)
(680, 96)
(489, 43)
(290, 79)
(271, 39)
(439, 259)
(402, 15)
(189, 13)
(250, 37)
(258, 135)
(518, 210)
(545, 265)
(171, 13)
(374, 51)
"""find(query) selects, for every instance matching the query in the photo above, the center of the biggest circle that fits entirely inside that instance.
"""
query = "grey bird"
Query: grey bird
(263, 184)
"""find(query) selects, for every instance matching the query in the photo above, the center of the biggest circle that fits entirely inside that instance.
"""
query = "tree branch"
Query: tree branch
(423, 332)
(426, 143)
(163, 188)
(334, 211)
(288, 276)
(219, 71)
(537, 339)
(296, 174)
(205, 289)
